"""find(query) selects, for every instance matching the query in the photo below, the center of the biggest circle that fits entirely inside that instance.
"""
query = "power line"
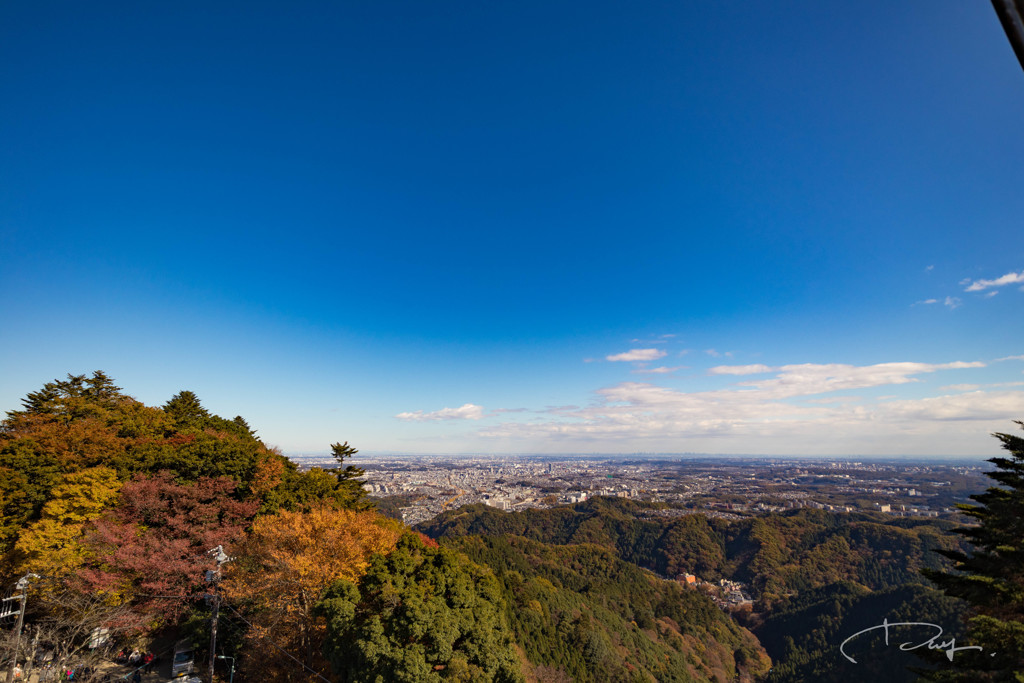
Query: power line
(247, 623)
(283, 651)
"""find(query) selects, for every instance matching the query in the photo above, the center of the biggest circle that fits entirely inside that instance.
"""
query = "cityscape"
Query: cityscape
(417, 488)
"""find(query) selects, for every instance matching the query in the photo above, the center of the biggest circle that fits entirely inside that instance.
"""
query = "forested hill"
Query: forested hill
(581, 612)
(85, 435)
(818, 577)
(776, 555)
(803, 633)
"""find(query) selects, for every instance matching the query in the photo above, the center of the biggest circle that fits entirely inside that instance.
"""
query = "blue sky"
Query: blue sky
(523, 227)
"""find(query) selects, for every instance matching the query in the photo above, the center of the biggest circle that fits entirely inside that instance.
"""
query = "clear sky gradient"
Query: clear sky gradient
(460, 227)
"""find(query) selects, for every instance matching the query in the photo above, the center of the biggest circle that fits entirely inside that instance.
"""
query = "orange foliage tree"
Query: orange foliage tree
(282, 570)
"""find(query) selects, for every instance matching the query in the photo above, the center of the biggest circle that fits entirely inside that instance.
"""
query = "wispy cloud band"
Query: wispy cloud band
(467, 411)
(1008, 279)
(637, 355)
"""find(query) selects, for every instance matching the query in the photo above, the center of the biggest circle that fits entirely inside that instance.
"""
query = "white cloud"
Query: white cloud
(798, 410)
(561, 410)
(1008, 279)
(635, 355)
(829, 400)
(971, 406)
(465, 412)
(739, 369)
(960, 387)
(926, 302)
(810, 378)
(989, 295)
(929, 267)
(952, 301)
(1010, 358)
(657, 371)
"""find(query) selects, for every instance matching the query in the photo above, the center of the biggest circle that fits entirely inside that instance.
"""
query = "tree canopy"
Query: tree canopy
(86, 423)
(283, 568)
(103, 494)
(153, 546)
(420, 614)
(990, 577)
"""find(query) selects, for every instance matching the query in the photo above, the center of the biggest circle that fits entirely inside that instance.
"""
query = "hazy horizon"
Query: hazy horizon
(364, 458)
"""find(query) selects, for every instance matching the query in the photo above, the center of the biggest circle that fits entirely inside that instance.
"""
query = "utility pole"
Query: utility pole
(22, 586)
(213, 578)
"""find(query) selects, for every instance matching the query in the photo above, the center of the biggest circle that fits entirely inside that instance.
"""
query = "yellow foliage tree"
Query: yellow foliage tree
(284, 567)
(51, 546)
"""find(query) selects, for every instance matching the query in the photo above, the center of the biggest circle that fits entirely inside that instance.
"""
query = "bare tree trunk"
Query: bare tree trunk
(30, 663)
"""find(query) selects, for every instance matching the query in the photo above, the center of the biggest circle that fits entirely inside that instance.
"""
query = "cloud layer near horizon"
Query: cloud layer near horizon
(799, 406)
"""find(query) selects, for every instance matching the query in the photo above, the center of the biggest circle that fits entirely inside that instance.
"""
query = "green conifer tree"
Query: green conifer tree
(349, 490)
(186, 410)
(991, 577)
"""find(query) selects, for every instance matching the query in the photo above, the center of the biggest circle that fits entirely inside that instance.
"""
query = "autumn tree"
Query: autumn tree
(68, 426)
(85, 422)
(419, 614)
(284, 567)
(151, 549)
(991, 577)
(52, 546)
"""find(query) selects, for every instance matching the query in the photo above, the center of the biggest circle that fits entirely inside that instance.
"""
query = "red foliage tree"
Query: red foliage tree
(427, 540)
(152, 549)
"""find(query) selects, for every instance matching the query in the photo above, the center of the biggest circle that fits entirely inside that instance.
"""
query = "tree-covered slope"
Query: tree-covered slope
(579, 610)
(110, 509)
(422, 613)
(804, 634)
(777, 554)
(87, 430)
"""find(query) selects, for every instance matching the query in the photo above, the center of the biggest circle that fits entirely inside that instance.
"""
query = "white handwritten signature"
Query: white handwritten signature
(932, 643)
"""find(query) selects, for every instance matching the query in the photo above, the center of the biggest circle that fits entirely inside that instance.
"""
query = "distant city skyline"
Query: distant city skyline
(534, 228)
